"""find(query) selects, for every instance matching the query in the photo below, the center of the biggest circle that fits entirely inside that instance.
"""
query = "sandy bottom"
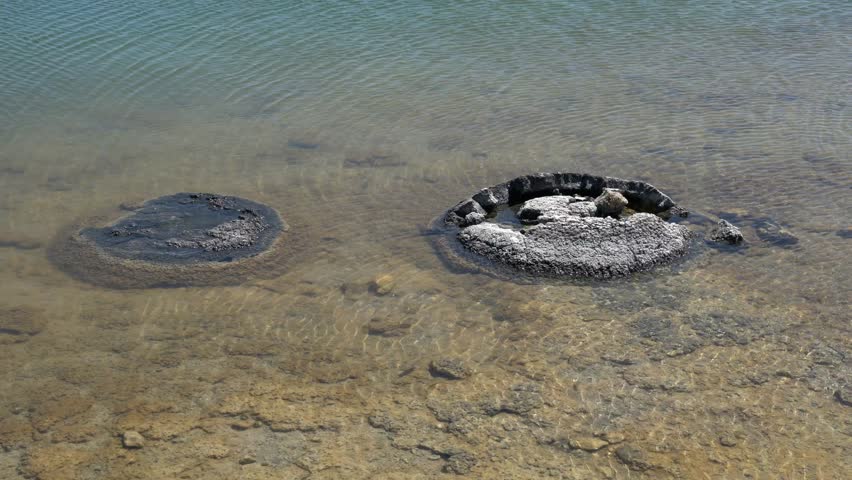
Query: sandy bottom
(731, 365)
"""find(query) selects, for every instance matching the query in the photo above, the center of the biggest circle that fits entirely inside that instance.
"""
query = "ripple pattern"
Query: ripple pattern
(360, 121)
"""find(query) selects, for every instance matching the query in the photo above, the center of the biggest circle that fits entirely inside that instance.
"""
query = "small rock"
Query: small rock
(242, 424)
(727, 441)
(460, 463)
(382, 285)
(634, 458)
(473, 218)
(610, 203)
(588, 444)
(247, 460)
(725, 232)
(822, 354)
(844, 395)
(451, 368)
(620, 358)
(389, 327)
(383, 421)
(468, 206)
(132, 439)
(613, 437)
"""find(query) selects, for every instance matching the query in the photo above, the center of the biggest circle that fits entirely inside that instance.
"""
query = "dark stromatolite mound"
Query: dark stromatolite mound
(176, 240)
(574, 225)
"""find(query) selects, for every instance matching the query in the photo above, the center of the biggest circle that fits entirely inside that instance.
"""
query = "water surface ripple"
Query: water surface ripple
(360, 121)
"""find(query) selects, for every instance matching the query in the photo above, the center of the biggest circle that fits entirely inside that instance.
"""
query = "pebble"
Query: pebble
(389, 327)
(451, 368)
(382, 285)
(242, 424)
(132, 439)
(588, 444)
(613, 437)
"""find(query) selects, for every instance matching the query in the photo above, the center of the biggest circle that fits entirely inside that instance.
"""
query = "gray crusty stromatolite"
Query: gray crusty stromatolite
(176, 240)
(581, 247)
(575, 225)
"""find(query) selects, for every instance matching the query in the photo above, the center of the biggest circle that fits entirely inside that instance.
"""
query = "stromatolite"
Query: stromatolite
(176, 240)
(567, 225)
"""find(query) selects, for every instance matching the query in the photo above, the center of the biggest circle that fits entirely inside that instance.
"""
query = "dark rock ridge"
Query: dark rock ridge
(175, 240)
(576, 225)
(641, 196)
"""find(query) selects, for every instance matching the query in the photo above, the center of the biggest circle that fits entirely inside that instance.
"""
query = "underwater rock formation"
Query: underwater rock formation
(175, 240)
(575, 225)
(725, 232)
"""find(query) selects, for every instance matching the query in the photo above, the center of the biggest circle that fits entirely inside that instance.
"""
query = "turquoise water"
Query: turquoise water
(362, 121)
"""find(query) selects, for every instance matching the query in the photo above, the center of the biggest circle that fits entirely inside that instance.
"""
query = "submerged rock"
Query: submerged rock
(633, 457)
(175, 240)
(577, 225)
(451, 368)
(589, 444)
(844, 395)
(774, 234)
(382, 285)
(459, 462)
(725, 232)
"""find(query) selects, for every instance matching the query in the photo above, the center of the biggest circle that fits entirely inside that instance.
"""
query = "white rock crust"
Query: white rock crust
(548, 209)
(565, 243)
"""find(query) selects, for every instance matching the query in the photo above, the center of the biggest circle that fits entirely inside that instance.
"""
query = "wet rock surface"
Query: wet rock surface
(190, 227)
(451, 368)
(725, 232)
(577, 226)
(581, 247)
(175, 240)
(610, 203)
(548, 209)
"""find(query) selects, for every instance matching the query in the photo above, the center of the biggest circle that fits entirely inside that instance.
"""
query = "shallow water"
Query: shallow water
(362, 121)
